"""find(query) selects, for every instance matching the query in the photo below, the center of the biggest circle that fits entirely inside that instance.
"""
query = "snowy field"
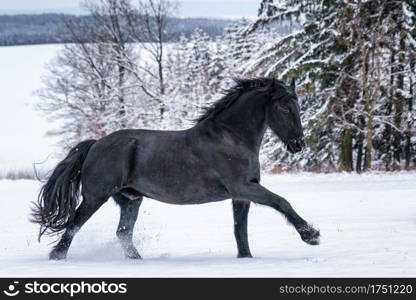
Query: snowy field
(368, 226)
(368, 222)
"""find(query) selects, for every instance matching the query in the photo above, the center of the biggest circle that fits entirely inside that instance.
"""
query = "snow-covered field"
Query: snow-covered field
(368, 222)
(368, 226)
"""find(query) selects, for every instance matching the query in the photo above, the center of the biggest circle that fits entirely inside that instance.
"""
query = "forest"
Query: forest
(353, 61)
(49, 28)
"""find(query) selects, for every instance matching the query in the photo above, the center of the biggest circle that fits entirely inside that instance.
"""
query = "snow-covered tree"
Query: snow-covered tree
(196, 71)
(95, 86)
(340, 57)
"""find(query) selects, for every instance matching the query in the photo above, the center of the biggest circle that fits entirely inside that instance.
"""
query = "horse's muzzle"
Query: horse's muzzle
(295, 145)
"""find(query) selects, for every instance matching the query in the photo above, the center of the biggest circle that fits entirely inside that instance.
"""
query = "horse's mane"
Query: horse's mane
(231, 95)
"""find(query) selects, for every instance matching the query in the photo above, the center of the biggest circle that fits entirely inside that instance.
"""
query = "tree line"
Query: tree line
(354, 63)
(35, 29)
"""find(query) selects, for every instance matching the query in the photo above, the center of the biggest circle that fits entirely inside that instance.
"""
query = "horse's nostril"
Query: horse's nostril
(294, 145)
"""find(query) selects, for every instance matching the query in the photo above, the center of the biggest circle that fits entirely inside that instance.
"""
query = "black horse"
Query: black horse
(217, 159)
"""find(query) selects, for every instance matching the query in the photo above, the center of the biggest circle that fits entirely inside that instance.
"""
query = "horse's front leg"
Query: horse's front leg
(256, 193)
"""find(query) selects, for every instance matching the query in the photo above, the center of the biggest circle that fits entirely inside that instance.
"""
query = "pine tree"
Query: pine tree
(197, 68)
(305, 54)
(338, 55)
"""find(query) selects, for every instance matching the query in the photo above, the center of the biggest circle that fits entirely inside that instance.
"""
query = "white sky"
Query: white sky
(189, 8)
(37, 4)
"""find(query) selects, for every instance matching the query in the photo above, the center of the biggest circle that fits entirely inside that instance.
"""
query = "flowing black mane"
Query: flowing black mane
(232, 94)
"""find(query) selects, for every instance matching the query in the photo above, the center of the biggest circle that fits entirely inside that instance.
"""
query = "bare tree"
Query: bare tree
(149, 25)
(93, 83)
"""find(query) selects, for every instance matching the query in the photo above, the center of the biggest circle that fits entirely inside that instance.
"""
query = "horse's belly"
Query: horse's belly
(196, 199)
(184, 192)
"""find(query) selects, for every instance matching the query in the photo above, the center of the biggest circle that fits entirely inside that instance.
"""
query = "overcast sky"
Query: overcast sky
(188, 8)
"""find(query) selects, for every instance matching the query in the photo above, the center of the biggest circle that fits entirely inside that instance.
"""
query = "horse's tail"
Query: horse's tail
(58, 197)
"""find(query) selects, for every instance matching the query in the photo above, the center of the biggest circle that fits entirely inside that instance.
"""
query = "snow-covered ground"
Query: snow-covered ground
(368, 226)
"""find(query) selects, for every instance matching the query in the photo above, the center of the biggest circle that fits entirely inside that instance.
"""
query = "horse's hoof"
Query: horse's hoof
(309, 235)
(244, 255)
(132, 253)
(133, 256)
(57, 255)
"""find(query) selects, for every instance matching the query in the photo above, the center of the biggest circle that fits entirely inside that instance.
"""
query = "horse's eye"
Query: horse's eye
(284, 109)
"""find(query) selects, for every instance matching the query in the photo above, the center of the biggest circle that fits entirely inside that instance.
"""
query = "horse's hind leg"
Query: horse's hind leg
(240, 212)
(129, 210)
(88, 207)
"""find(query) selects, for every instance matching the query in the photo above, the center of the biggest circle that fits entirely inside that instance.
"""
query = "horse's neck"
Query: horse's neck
(247, 119)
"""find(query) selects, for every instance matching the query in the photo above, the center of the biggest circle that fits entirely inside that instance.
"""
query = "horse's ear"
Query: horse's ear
(293, 84)
(272, 85)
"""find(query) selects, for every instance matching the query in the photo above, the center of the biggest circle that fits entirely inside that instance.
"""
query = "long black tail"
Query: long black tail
(58, 197)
